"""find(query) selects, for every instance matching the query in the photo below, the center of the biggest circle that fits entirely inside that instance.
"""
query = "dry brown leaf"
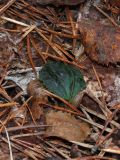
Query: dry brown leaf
(36, 109)
(35, 89)
(101, 41)
(66, 126)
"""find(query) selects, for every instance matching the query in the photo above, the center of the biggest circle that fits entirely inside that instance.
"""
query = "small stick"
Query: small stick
(65, 102)
(37, 49)
(14, 21)
(64, 60)
(9, 143)
(10, 129)
(51, 44)
(19, 149)
(101, 11)
(111, 150)
(89, 146)
(96, 124)
(27, 135)
(90, 119)
(76, 36)
(105, 110)
(100, 116)
(57, 150)
(9, 104)
(59, 108)
(32, 27)
(3, 9)
(29, 52)
(74, 30)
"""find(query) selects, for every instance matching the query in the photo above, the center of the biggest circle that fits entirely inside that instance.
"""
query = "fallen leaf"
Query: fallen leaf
(66, 126)
(101, 41)
(36, 108)
(35, 89)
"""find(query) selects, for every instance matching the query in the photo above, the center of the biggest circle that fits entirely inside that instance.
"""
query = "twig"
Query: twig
(101, 11)
(9, 143)
(100, 116)
(83, 144)
(27, 135)
(90, 119)
(14, 21)
(51, 44)
(111, 150)
(32, 27)
(65, 102)
(19, 148)
(105, 110)
(37, 49)
(105, 126)
(76, 36)
(74, 31)
(30, 55)
(58, 108)
(32, 147)
(63, 60)
(56, 149)
(101, 105)
(3, 9)
(96, 124)
(10, 129)
(9, 104)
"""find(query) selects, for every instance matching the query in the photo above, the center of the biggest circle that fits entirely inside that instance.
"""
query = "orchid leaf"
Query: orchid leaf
(62, 79)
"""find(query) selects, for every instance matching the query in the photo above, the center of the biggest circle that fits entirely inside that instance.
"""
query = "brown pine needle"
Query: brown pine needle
(9, 104)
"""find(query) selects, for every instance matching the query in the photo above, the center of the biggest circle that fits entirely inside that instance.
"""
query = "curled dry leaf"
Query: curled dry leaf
(66, 126)
(35, 89)
(101, 41)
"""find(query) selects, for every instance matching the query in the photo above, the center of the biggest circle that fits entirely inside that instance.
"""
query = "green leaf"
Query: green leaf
(62, 79)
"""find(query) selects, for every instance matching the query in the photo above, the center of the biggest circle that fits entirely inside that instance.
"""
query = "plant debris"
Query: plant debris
(59, 79)
(36, 90)
(101, 41)
(58, 2)
(66, 126)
